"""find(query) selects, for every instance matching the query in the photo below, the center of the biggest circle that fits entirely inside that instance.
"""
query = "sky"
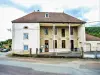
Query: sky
(87, 10)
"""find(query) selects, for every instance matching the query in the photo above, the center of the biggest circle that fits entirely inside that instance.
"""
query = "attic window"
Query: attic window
(46, 15)
(25, 27)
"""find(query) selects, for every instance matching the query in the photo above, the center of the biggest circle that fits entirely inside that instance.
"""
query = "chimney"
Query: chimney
(38, 10)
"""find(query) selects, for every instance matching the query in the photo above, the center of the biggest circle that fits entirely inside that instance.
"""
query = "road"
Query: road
(8, 67)
(13, 67)
(12, 70)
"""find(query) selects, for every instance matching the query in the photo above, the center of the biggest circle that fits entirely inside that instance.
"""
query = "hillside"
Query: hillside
(95, 31)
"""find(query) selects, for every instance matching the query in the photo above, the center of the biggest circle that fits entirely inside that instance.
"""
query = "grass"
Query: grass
(20, 55)
(47, 59)
(33, 55)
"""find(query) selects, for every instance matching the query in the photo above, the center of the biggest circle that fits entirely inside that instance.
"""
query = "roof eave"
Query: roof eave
(52, 22)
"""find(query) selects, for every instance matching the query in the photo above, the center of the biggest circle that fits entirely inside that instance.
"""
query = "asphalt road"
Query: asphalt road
(12, 67)
(12, 70)
(8, 67)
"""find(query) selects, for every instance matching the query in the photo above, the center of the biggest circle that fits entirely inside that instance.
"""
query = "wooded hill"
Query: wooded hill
(95, 31)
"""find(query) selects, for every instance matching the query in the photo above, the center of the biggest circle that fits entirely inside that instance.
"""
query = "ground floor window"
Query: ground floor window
(63, 44)
(25, 47)
(55, 43)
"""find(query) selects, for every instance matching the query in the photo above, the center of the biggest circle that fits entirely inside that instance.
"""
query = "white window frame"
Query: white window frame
(25, 37)
(24, 47)
(46, 15)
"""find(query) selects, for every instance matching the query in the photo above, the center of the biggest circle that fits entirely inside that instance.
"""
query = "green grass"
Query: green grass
(37, 56)
(20, 55)
(33, 55)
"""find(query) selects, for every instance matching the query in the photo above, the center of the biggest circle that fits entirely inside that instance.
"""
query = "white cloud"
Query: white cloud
(60, 5)
(93, 15)
(6, 16)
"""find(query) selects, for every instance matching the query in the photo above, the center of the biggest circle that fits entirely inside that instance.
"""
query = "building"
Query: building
(92, 43)
(50, 31)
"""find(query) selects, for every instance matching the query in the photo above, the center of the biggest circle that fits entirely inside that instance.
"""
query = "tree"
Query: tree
(6, 43)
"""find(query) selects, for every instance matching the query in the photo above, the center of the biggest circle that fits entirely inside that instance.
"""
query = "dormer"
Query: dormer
(46, 15)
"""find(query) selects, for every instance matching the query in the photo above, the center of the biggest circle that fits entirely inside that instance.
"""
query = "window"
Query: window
(55, 43)
(46, 31)
(71, 30)
(47, 15)
(63, 32)
(25, 27)
(25, 36)
(63, 44)
(55, 31)
(25, 47)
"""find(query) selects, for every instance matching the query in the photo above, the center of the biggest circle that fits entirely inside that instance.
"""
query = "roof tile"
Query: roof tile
(91, 38)
(54, 17)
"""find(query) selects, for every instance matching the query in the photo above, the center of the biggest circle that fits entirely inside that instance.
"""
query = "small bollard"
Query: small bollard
(36, 51)
(40, 50)
(30, 51)
(96, 54)
(82, 52)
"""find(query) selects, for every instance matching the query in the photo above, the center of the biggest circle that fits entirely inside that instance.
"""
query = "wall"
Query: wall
(37, 37)
(94, 45)
(81, 36)
(17, 37)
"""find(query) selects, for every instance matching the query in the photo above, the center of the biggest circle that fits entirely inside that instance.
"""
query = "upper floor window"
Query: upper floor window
(55, 31)
(71, 30)
(63, 32)
(25, 36)
(46, 31)
(47, 15)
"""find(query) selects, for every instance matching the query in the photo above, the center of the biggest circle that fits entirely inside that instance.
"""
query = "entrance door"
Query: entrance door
(46, 46)
(72, 45)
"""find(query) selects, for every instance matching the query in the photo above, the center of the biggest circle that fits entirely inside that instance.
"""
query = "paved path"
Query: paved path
(65, 68)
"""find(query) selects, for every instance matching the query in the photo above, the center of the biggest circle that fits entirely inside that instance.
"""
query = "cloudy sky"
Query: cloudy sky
(87, 10)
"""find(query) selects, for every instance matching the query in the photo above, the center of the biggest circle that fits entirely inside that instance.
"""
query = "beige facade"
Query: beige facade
(58, 36)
